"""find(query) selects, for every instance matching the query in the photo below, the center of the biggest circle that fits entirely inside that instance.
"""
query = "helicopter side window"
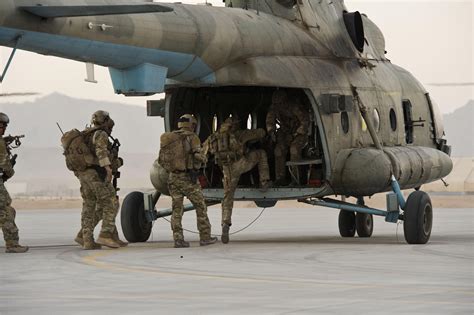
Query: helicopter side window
(363, 123)
(252, 121)
(214, 123)
(393, 119)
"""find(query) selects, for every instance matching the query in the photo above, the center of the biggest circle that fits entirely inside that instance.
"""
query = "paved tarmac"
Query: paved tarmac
(291, 261)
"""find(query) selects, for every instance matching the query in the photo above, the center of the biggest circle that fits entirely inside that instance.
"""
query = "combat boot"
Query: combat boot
(106, 239)
(225, 233)
(79, 240)
(181, 244)
(16, 249)
(265, 185)
(117, 240)
(209, 241)
(91, 245)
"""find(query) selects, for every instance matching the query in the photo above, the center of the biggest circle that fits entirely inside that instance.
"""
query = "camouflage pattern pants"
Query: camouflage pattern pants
(99, 202)
(180, 185)
(7, 218)
(283, 142)
(232, 173)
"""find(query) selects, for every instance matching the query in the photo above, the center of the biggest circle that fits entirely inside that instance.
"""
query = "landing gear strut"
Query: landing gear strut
(417, 215)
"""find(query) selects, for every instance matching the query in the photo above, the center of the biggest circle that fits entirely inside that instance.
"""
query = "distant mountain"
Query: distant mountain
(37, 120)
(459, 127)
(41, 169)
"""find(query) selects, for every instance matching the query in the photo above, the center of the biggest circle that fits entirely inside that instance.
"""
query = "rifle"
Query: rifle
(13, 139)
(115, 143)
(12, 142)
(116, 174)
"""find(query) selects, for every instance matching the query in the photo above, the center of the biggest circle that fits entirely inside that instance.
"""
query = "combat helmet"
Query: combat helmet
(187, 121)
(4, 120)
(101, 118)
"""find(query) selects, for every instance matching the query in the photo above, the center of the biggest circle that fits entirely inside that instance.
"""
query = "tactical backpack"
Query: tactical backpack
(172, 156)
(76, 149)
(225, 147)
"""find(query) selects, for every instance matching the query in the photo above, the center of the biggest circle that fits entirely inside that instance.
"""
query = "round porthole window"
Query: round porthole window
(376, 120)
(345, 122)
(393, 119)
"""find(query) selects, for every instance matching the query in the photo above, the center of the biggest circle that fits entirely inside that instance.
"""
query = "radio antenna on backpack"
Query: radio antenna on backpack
(60, 128)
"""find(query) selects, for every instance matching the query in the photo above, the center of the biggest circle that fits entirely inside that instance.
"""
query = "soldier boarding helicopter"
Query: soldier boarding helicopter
(373, 127)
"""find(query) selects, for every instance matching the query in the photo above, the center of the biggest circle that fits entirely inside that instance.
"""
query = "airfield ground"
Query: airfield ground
(290, 261)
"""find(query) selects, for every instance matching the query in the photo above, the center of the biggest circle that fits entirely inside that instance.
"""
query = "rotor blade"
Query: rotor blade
(91, 10)
(452, 84)
(18, 94)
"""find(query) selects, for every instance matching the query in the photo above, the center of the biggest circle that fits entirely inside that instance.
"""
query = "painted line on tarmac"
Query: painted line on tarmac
(94, 260)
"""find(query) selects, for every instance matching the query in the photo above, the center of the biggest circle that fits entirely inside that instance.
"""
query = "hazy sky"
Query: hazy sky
(431, 39)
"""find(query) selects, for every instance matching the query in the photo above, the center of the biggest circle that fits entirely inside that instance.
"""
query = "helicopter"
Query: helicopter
(373, 127)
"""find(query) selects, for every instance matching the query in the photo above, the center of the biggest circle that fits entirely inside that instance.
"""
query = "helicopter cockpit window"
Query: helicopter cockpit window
(345, 122)
(376, 120)
(393, 119)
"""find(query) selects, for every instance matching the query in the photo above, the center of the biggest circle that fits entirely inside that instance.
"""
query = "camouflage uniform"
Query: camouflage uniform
(181, 185)
(98, 195)
(240, 163)
(293, 132)
(7, 213)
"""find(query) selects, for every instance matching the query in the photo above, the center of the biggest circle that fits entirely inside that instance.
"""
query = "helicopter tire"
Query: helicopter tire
(135, 226)
(364, 224)
(418, 218)
(347, 223)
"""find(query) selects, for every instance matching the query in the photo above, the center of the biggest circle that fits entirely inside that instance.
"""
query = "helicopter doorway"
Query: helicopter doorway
(212, 106)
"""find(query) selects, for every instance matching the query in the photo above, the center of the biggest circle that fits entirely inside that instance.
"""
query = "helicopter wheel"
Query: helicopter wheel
(418, 218)
(135, 226)
(364, 224)
(347, 223)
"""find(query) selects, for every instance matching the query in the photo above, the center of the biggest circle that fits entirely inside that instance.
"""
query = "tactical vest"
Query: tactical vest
(174, 149)
(225, 147)
(76, 145)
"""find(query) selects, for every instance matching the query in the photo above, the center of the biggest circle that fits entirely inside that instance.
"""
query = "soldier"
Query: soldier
(100, 201)
(180, 154)
(228, 145)
(7, 212)
(116, 163)
(293, 132)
